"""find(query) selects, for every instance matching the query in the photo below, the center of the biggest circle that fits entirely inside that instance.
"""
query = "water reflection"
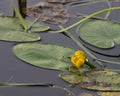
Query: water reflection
(22, 6)
(6, 5)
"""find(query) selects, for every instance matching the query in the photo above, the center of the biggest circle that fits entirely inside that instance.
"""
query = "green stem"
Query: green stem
(26, 84)
(82, 47)
(2, 84)
(83, 4)
(29, 27)
(86, 18)
(90, 65)
(108, 13)
(22, 21)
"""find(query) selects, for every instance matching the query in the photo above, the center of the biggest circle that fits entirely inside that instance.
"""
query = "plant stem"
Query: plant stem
(79, 15)
(83, 3)
(22, 21)
(83, 48)
(22, 7)
(108, 13)
(90, 65)
(26, 84)
(29, 27)
(2, 84)
(86, 18)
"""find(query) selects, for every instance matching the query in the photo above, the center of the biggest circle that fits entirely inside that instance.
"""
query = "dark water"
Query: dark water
(14, 70)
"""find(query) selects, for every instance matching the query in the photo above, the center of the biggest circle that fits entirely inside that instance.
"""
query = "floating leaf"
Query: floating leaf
(14, 24)
(102, 80)
(44, 55)
(100, 33)
(11, 30)
(17, 36)
(37, 27)
(74, 69)
(73, 78)
(109, 93)
(10, 23)
(86, 94)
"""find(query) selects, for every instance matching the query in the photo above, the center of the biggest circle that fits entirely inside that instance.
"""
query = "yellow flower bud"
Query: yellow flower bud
(78, 59)
(80, 62)
(79, 53)
(73, 59)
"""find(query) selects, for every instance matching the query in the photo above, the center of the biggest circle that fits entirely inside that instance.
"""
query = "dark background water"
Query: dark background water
(15, 70)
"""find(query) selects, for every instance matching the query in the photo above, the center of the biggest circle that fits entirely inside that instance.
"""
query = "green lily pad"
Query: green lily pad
(17, 36)
(44, 55)
(100, 33)
(37, 27)
(102, 80)
(11, 30)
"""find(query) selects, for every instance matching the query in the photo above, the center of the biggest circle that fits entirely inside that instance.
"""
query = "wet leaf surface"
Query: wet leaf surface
(44, 55)
(51, 13)
(74, 69)
(109, 94)
(37, 27)
(11, 30)
(102, 80)
(86, 94)
(100, 33)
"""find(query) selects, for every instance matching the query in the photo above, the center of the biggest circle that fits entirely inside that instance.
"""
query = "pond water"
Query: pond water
(16, 71)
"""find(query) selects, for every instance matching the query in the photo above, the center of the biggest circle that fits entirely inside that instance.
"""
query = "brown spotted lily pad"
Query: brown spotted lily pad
(109, 93)
(60, 1)
(102, 80)
(86, 94)
(51, 13)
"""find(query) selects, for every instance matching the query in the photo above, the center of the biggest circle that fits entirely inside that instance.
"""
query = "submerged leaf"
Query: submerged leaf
(44, 55)
(11, 30)
(48, 12)
(61, 1)
(102, 80)
(100, 33)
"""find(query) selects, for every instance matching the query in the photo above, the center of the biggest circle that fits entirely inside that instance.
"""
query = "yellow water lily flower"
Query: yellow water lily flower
(79, 53)
(78, 59)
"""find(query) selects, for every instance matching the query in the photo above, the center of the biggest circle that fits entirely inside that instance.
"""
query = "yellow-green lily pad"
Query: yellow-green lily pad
(102, 80)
